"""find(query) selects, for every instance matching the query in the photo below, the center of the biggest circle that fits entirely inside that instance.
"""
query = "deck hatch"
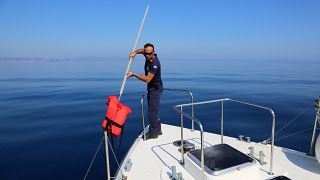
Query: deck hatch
(221, 158)
(280, 178)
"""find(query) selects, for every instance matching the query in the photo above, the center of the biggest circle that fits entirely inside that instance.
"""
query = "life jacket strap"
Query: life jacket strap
(111, 123)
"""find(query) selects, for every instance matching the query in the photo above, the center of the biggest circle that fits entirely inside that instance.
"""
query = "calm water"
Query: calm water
(51, 112)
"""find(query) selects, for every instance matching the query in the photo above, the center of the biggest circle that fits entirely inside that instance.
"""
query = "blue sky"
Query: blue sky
(184, 29)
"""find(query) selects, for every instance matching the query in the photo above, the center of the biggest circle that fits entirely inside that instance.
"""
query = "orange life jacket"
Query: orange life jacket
(116, 116)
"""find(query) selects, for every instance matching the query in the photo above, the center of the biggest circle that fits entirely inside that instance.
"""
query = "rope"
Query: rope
(286, 125)
(295, 118)
(95, 154)
(268, 141)
(114, 155)
(94, 157)
(294, 134)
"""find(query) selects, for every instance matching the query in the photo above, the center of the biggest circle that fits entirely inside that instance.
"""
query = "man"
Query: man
(153, 79)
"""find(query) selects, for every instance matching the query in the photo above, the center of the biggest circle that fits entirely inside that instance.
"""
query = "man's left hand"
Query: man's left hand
(130, 74)
(132, 55)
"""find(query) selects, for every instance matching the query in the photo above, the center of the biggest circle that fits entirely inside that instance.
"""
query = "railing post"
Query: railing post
(192, 112)
(202, 155)
(272, 141)
(221, 122)
(181, 146)
(314, 132)
(201, 135)
(142, 113)
(107, 154)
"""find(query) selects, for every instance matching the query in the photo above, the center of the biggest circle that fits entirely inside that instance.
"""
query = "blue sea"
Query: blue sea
(52, 110)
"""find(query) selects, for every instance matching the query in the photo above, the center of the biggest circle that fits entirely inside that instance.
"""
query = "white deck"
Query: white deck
(153, 158)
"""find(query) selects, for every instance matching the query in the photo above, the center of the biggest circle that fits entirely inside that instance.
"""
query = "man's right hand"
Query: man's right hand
(130, 74)
(132, 55)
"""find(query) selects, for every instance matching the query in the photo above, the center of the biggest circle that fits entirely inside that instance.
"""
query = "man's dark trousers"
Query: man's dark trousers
(153, 107)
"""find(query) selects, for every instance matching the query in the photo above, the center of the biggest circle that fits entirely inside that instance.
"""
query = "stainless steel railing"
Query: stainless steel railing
(181, 127)
(177, 107)
(166, 89)
(183, 114)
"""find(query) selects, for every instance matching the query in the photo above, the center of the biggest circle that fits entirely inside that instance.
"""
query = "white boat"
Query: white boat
(182, 153)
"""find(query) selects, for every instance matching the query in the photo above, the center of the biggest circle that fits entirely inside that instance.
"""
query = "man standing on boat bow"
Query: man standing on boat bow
(153, 79)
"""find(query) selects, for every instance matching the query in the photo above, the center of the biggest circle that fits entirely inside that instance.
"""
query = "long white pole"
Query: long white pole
(107, 154)
(134, 48)
(121, 90)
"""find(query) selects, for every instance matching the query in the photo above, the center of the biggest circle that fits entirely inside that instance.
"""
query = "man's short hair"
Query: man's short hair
(149, 45)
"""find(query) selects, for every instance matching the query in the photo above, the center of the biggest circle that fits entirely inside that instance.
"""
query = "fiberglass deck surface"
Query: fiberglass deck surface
(153, 158)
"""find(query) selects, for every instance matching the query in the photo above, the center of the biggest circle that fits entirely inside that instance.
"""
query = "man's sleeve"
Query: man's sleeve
(153, 68)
